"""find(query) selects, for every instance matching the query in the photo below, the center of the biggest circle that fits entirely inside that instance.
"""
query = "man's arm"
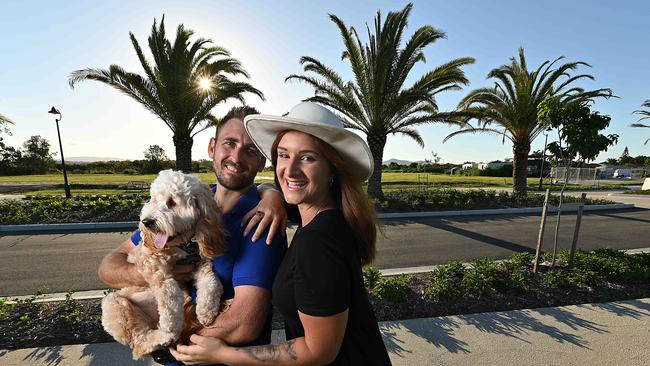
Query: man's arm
(245, 319)
(116, 272)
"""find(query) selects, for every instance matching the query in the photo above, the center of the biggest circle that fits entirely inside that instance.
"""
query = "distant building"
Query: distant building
(497, 164)
(535, 165)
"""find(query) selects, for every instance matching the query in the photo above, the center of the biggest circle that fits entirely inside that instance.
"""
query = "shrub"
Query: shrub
(5, 309)
(519, 261)
(519, 280)
(393, 289)
(607, 263)
(70, 308)
(370, 276)
(583, 276)
(452, 199)
(445, 281)
(522, 259)
(26, 319)
(482, 278)
(561, 258)
(556, 278)
(639, 269)
(81, 208)
(130, 171)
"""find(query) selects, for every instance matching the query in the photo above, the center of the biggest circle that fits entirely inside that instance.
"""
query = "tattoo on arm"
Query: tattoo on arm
(275, 352)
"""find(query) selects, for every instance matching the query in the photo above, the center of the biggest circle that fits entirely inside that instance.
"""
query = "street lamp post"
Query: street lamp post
(65, 174)
(541, 171)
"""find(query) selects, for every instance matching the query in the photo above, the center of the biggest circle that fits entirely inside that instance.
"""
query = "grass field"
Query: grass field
(99, 178)
(390, 181)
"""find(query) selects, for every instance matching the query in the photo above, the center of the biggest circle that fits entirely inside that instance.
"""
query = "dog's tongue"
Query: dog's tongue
(160, 240)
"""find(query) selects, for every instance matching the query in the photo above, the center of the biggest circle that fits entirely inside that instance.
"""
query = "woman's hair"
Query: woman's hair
(348, 196)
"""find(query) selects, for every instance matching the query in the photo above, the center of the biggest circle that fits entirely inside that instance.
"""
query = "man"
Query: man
(247, 269)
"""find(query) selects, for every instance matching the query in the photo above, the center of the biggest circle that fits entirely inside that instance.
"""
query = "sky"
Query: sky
(42, 42)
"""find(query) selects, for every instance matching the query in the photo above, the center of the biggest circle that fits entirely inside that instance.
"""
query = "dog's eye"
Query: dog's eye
(170, 202)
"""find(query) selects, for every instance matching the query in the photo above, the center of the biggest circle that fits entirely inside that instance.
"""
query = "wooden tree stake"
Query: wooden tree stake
(541, 230)
(574, 243)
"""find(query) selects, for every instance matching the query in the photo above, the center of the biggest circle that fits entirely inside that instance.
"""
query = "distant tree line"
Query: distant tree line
(629, 161)
(417, 168)
(35, 157)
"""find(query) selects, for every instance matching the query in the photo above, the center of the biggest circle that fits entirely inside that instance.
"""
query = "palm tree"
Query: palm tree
(377, 102)
(645, 115)
(513, 103)
(171, 89)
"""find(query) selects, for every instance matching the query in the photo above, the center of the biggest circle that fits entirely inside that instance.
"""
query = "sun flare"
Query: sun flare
(205, 84)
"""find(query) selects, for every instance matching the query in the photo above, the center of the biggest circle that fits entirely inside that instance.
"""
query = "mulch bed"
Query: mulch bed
(47, 325)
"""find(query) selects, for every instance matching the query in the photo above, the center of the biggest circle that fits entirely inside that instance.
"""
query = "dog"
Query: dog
(181, 209)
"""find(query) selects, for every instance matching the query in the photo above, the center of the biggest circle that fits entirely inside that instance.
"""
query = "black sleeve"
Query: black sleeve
(322, 277)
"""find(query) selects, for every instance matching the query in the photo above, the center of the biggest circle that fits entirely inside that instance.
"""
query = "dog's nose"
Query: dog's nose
(149, 223)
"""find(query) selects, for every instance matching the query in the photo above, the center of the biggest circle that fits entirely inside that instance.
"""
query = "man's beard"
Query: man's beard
(234, 182)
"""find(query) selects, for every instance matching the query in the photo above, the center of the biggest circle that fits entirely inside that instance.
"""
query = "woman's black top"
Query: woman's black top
(320, 275)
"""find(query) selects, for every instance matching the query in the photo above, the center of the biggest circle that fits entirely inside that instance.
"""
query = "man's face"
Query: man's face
(235, 159)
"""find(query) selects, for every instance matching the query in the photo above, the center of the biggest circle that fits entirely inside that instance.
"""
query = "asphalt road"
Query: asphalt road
(62, 262)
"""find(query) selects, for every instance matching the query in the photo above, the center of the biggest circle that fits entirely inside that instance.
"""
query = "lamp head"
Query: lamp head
(54, 111)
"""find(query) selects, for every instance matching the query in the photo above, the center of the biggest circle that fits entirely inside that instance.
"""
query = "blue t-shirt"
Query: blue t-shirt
(246, 262)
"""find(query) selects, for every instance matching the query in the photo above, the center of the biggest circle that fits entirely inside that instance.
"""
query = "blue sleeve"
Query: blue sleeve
(258, 262)
(136, 237)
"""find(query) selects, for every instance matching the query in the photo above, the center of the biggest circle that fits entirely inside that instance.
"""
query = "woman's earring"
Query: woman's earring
(331, 181)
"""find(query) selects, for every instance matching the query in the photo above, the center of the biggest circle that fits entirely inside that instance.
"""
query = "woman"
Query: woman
(319, 287)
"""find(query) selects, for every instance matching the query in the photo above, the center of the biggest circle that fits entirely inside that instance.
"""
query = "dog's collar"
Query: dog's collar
(190, 247)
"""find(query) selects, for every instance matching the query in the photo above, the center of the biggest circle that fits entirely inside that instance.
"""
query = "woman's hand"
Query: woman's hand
(270, 211)
(201, 350)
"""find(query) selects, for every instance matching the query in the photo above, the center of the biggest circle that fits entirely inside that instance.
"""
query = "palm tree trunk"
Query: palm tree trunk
(376, 143)
(183, 144)
(520, 168)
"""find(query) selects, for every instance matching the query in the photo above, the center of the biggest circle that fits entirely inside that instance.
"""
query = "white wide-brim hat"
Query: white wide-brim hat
(315, 120)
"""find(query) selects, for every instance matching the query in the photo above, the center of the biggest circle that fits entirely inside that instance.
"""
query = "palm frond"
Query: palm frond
(5, 119)
(477, 130)
(644, 114)
(412, 133)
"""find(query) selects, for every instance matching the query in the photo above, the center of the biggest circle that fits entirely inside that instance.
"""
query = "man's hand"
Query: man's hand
(244, 320)
(270, 211)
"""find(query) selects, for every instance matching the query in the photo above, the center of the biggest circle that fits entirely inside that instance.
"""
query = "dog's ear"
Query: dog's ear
(147, 239)
(210, 233)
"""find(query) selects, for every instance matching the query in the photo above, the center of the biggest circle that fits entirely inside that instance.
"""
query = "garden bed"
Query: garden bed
(639, 192)
(126, 207)
(451, 289)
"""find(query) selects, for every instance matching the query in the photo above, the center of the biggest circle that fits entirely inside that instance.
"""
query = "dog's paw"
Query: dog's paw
(155, 340)
(206, 317)
(166, 339)
(143, 350)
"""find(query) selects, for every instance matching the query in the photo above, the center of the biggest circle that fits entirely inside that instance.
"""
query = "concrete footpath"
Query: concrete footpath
(615, 333)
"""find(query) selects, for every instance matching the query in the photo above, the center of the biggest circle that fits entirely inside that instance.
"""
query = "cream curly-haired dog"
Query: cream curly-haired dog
(181, 209)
